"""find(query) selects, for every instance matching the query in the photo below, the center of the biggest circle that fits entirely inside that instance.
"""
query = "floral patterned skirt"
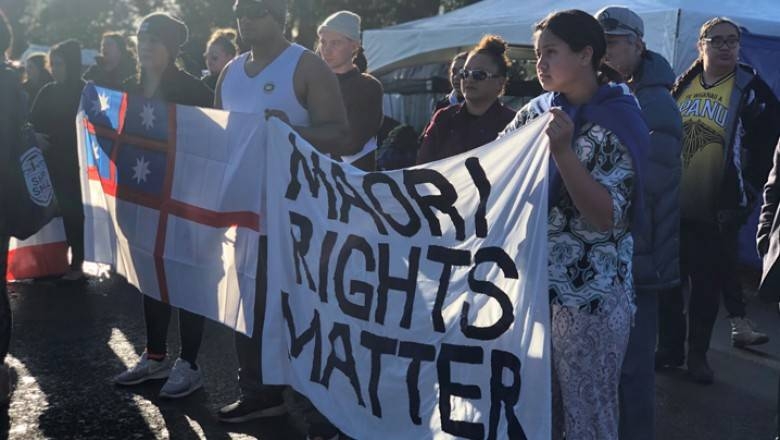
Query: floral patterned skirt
(587, 355)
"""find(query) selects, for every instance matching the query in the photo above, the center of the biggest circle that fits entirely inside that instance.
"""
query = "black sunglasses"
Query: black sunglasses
(476, 75)
(612, 24)
(251, 10)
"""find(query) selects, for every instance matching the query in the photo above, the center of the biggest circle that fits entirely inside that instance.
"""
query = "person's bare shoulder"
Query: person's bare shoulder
(312, 68)
(312, 74)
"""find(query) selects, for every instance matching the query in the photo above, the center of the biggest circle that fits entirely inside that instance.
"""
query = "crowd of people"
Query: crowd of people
(651, 178)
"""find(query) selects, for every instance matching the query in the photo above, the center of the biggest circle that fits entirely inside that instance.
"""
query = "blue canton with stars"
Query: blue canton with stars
(102, 105)
(139, 168)
(146, 118)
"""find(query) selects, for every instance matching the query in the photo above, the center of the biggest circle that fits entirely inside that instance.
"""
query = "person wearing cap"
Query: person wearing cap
(52, 114)
(338, 45)
(729, 132)
(160, 37)
(656, 252)
(284, 80)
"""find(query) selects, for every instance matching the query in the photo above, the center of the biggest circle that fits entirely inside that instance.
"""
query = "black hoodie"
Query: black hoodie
(54, 114)
(113, 79)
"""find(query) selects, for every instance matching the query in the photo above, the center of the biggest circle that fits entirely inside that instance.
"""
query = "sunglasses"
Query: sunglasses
(476, 75)
(718, 42)
(249, 10)
(612, 24)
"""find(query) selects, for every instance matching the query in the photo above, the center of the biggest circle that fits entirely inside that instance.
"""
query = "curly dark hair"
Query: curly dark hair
(494, 47)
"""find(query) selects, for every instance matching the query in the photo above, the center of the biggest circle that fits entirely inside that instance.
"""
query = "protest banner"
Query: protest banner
(412, 303)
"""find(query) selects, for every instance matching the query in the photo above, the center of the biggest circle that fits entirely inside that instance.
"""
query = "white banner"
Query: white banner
(412, 304)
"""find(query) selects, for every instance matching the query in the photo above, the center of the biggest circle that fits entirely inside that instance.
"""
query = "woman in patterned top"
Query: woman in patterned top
(597, 136)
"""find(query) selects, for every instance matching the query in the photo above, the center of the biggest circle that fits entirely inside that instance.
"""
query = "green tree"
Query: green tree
(51, 21)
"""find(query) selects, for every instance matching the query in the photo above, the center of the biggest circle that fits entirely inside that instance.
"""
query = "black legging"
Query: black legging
(67, 188)
(709, 257)
(157, 315)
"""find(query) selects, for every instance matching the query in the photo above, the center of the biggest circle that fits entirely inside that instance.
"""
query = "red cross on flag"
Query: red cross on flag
(172, 200)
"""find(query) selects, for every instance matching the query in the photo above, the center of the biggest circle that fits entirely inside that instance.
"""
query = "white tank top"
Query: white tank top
(272, 88)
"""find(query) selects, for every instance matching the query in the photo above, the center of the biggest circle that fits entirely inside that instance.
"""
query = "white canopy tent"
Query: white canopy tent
(671, 27)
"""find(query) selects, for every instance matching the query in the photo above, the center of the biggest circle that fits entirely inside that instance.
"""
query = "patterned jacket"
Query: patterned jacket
(584, 264)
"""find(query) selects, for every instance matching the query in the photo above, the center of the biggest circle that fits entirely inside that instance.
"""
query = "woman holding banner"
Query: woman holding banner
(160, 38)
(596, 139)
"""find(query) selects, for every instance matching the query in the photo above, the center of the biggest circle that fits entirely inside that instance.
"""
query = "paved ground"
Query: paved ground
(68, 343)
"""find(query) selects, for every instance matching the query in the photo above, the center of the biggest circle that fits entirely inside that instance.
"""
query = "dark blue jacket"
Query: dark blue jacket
(656, 262)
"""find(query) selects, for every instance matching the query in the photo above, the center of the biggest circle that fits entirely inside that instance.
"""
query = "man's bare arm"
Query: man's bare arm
(328, 127)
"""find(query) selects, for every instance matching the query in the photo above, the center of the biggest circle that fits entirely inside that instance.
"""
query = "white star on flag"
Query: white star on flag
(96, 150)
(140, 170)
(101, 104)
(147, 116)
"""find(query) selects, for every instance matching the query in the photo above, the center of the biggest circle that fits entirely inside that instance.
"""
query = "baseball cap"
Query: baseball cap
(619, 20)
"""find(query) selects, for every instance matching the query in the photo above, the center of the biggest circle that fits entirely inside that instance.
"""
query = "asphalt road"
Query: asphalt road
(68, 342)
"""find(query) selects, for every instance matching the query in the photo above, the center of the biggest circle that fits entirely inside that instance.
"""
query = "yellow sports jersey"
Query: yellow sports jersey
(704, 113)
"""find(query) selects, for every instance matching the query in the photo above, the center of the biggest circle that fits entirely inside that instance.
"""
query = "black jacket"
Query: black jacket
(752, 130)
(177, 86)
(768, 235)
(11, 118)
(54, 114)
(113, 79)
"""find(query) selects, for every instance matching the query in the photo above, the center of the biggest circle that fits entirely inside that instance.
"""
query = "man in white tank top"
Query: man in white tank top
(283, 80)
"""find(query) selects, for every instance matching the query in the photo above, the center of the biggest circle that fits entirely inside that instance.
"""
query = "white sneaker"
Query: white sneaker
(145, 369)
(182, 381)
